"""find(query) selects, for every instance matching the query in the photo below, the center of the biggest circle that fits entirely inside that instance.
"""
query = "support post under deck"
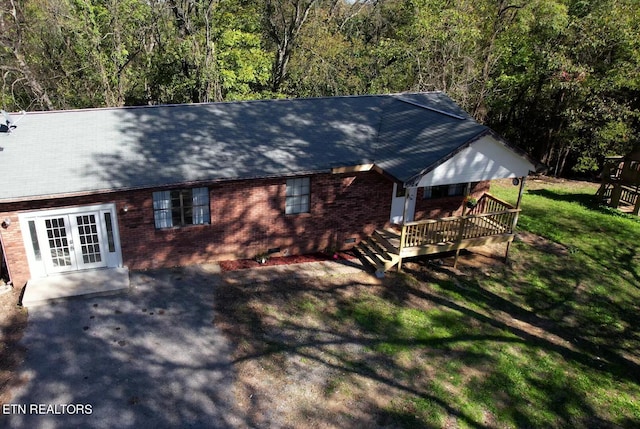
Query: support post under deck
(515, 218)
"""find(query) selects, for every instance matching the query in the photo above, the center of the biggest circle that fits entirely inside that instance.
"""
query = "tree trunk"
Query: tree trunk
(564, 160)
(34, 84)
(285, 19)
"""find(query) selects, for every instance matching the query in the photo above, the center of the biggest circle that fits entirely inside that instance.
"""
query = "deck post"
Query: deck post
(403, 233)
(405, 210)
(463, 220)
(520, 191)
(455, 259)
(616, 193)
(515, 217)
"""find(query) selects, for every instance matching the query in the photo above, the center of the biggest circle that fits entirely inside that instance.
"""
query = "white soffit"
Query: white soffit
(485, 159)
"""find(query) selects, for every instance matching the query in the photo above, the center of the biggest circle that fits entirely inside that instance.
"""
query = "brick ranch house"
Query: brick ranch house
(162, 186)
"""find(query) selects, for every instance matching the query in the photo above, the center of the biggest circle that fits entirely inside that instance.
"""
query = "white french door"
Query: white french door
(73, 239)
(71, 242)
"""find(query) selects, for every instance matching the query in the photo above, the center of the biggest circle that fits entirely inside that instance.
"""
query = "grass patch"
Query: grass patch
(548, 340)
(399, 329)
(591, 290)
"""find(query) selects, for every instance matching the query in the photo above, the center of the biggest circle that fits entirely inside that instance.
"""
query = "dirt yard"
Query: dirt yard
(13, 320)
(302, 358)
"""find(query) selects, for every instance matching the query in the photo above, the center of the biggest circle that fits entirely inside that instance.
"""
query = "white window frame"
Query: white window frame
(163, 209)
(298, 196)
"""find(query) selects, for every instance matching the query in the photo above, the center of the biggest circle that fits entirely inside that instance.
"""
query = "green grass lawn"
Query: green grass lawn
(588, 298)
(549, 340)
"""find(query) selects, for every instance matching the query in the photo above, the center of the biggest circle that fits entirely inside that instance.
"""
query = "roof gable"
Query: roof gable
(486, 158)
(412, 138)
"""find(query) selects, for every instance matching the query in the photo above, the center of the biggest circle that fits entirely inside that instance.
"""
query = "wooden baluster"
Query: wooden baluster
(458, 240)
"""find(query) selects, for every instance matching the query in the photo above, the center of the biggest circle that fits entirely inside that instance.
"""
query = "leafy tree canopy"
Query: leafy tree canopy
(560, 78)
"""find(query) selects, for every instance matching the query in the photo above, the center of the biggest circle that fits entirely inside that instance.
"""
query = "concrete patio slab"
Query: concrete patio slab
(151, 358)
(50, 289)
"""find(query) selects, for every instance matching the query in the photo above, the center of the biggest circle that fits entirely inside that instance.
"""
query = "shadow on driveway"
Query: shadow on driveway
(150, 358)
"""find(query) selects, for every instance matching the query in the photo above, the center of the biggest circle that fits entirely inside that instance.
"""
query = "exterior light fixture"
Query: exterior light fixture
(125, 209)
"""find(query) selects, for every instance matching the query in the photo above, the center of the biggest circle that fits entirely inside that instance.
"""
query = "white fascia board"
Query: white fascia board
(485, 159)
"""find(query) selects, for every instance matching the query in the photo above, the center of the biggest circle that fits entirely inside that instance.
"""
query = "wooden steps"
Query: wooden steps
(494, 223)
(381, 250)
(378, 252)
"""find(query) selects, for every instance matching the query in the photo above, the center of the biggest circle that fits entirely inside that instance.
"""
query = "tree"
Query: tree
(284, 20)
(20, 84)
(328, 59)
(207, 51)
(564, 89)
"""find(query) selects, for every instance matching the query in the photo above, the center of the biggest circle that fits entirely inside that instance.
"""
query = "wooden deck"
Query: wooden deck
(491, 221)
(620, 186)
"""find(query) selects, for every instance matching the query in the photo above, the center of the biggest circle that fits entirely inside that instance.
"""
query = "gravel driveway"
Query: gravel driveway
(146, 359)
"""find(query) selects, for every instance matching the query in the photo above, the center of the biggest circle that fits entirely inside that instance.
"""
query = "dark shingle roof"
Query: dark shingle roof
(67, 152)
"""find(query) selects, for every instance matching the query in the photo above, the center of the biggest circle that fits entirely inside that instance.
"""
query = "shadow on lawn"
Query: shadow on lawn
(346, 350)
(574, 343)
(317, 345)
(624, 257)
(588, 201)
(601, 357)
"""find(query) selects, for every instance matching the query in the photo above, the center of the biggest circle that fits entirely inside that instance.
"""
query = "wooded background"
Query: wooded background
(560, 79)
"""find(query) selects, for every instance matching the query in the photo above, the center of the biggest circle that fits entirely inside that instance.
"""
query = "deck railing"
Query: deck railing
(491, 216)
(612, 168)
(605, 192)
(628, 196)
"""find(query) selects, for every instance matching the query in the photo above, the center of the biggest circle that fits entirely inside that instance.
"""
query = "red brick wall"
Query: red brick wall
(13, 249)
(247, 217)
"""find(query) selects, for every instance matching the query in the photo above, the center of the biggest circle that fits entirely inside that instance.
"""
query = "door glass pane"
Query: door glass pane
(58, 244)
(162, 209)
(109, 225)
(89, 241)
(34, 240)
